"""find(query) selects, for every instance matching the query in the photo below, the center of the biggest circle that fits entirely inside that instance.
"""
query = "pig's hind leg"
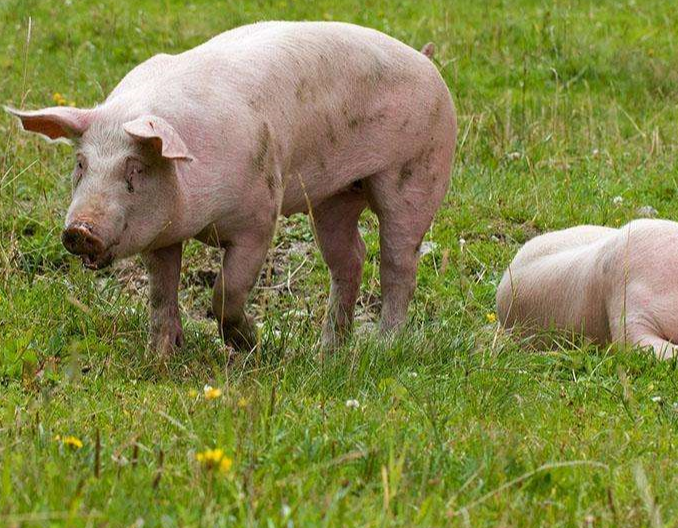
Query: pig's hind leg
(405, 199)
(336, 227)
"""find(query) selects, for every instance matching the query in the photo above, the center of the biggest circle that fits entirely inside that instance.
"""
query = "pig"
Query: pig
(611, 285)
(268, 119)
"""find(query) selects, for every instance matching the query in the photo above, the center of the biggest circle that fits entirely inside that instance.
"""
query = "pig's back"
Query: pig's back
(269, 64)
(559, 241)
(644, 252)
(284, 45)
(289, 71)
(553, 281)
(279, 55)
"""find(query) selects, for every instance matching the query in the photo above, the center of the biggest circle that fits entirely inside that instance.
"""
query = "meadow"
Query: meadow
(568, 114)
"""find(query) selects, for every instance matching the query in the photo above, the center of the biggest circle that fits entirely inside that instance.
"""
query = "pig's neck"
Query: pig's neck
(201, 200)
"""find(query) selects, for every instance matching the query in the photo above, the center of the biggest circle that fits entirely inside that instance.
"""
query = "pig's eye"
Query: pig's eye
(133, 169)
(79, 171)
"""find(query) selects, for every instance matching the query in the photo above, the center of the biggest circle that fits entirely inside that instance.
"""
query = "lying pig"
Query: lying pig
(612, 285)
(267, 119)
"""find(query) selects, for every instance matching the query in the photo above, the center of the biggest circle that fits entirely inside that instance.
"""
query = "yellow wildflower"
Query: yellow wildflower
(491, 318)
(211, 393)
(210, 457)
(192, 393)
(214, 459)
(225, 465)
(73, 442)
(242, 403)
(59, 99)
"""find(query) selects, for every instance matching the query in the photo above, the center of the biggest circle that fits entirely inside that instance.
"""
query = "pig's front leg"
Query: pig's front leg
(243, 259)
(662, 348)
(643, 336)
(164, 268)
(638, 326)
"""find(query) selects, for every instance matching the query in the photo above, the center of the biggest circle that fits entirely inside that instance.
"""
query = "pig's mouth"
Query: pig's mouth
(81, 239)
(97, 262)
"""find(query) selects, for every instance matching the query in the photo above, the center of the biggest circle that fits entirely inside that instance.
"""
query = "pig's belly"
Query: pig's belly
(300, 196)
(323, 172)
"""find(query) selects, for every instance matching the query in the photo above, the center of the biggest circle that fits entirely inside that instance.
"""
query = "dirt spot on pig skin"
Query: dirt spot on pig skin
(436, 113)
(405, 174)
(255, 103)
(263, 147)
(355, 122)
(263, 161)
(331, 133)
(322, 164)
(358, 121)
(305, 92)
(421, 161)
(376, 72)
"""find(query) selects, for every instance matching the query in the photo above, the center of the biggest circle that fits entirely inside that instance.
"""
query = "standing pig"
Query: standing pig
(612, 285)
(267, 119)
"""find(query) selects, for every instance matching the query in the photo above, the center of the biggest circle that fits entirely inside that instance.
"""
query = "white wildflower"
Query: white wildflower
(427, 247)
(647, 211)
(353, 404)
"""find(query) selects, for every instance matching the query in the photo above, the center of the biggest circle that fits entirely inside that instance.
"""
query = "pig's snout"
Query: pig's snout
(79, 238)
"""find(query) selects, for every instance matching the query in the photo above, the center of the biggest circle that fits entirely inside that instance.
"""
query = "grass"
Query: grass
(563, 106)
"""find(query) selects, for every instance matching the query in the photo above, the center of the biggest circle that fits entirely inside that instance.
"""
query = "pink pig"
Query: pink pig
(267, 119)
(612, 285)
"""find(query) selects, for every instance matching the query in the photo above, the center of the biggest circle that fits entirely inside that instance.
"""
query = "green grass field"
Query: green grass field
(568, 114)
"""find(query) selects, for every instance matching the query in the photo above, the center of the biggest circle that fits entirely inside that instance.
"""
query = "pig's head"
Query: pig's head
(126, 191)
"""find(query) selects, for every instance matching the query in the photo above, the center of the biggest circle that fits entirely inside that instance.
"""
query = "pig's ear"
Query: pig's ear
(160, 134)
(59, 122)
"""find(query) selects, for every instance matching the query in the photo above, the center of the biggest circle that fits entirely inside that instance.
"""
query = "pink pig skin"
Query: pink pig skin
(266, 119)
(613, 285)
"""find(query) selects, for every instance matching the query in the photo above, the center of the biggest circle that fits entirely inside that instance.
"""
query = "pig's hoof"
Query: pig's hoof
(241, 335)
(333, 338)
(166, 344)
